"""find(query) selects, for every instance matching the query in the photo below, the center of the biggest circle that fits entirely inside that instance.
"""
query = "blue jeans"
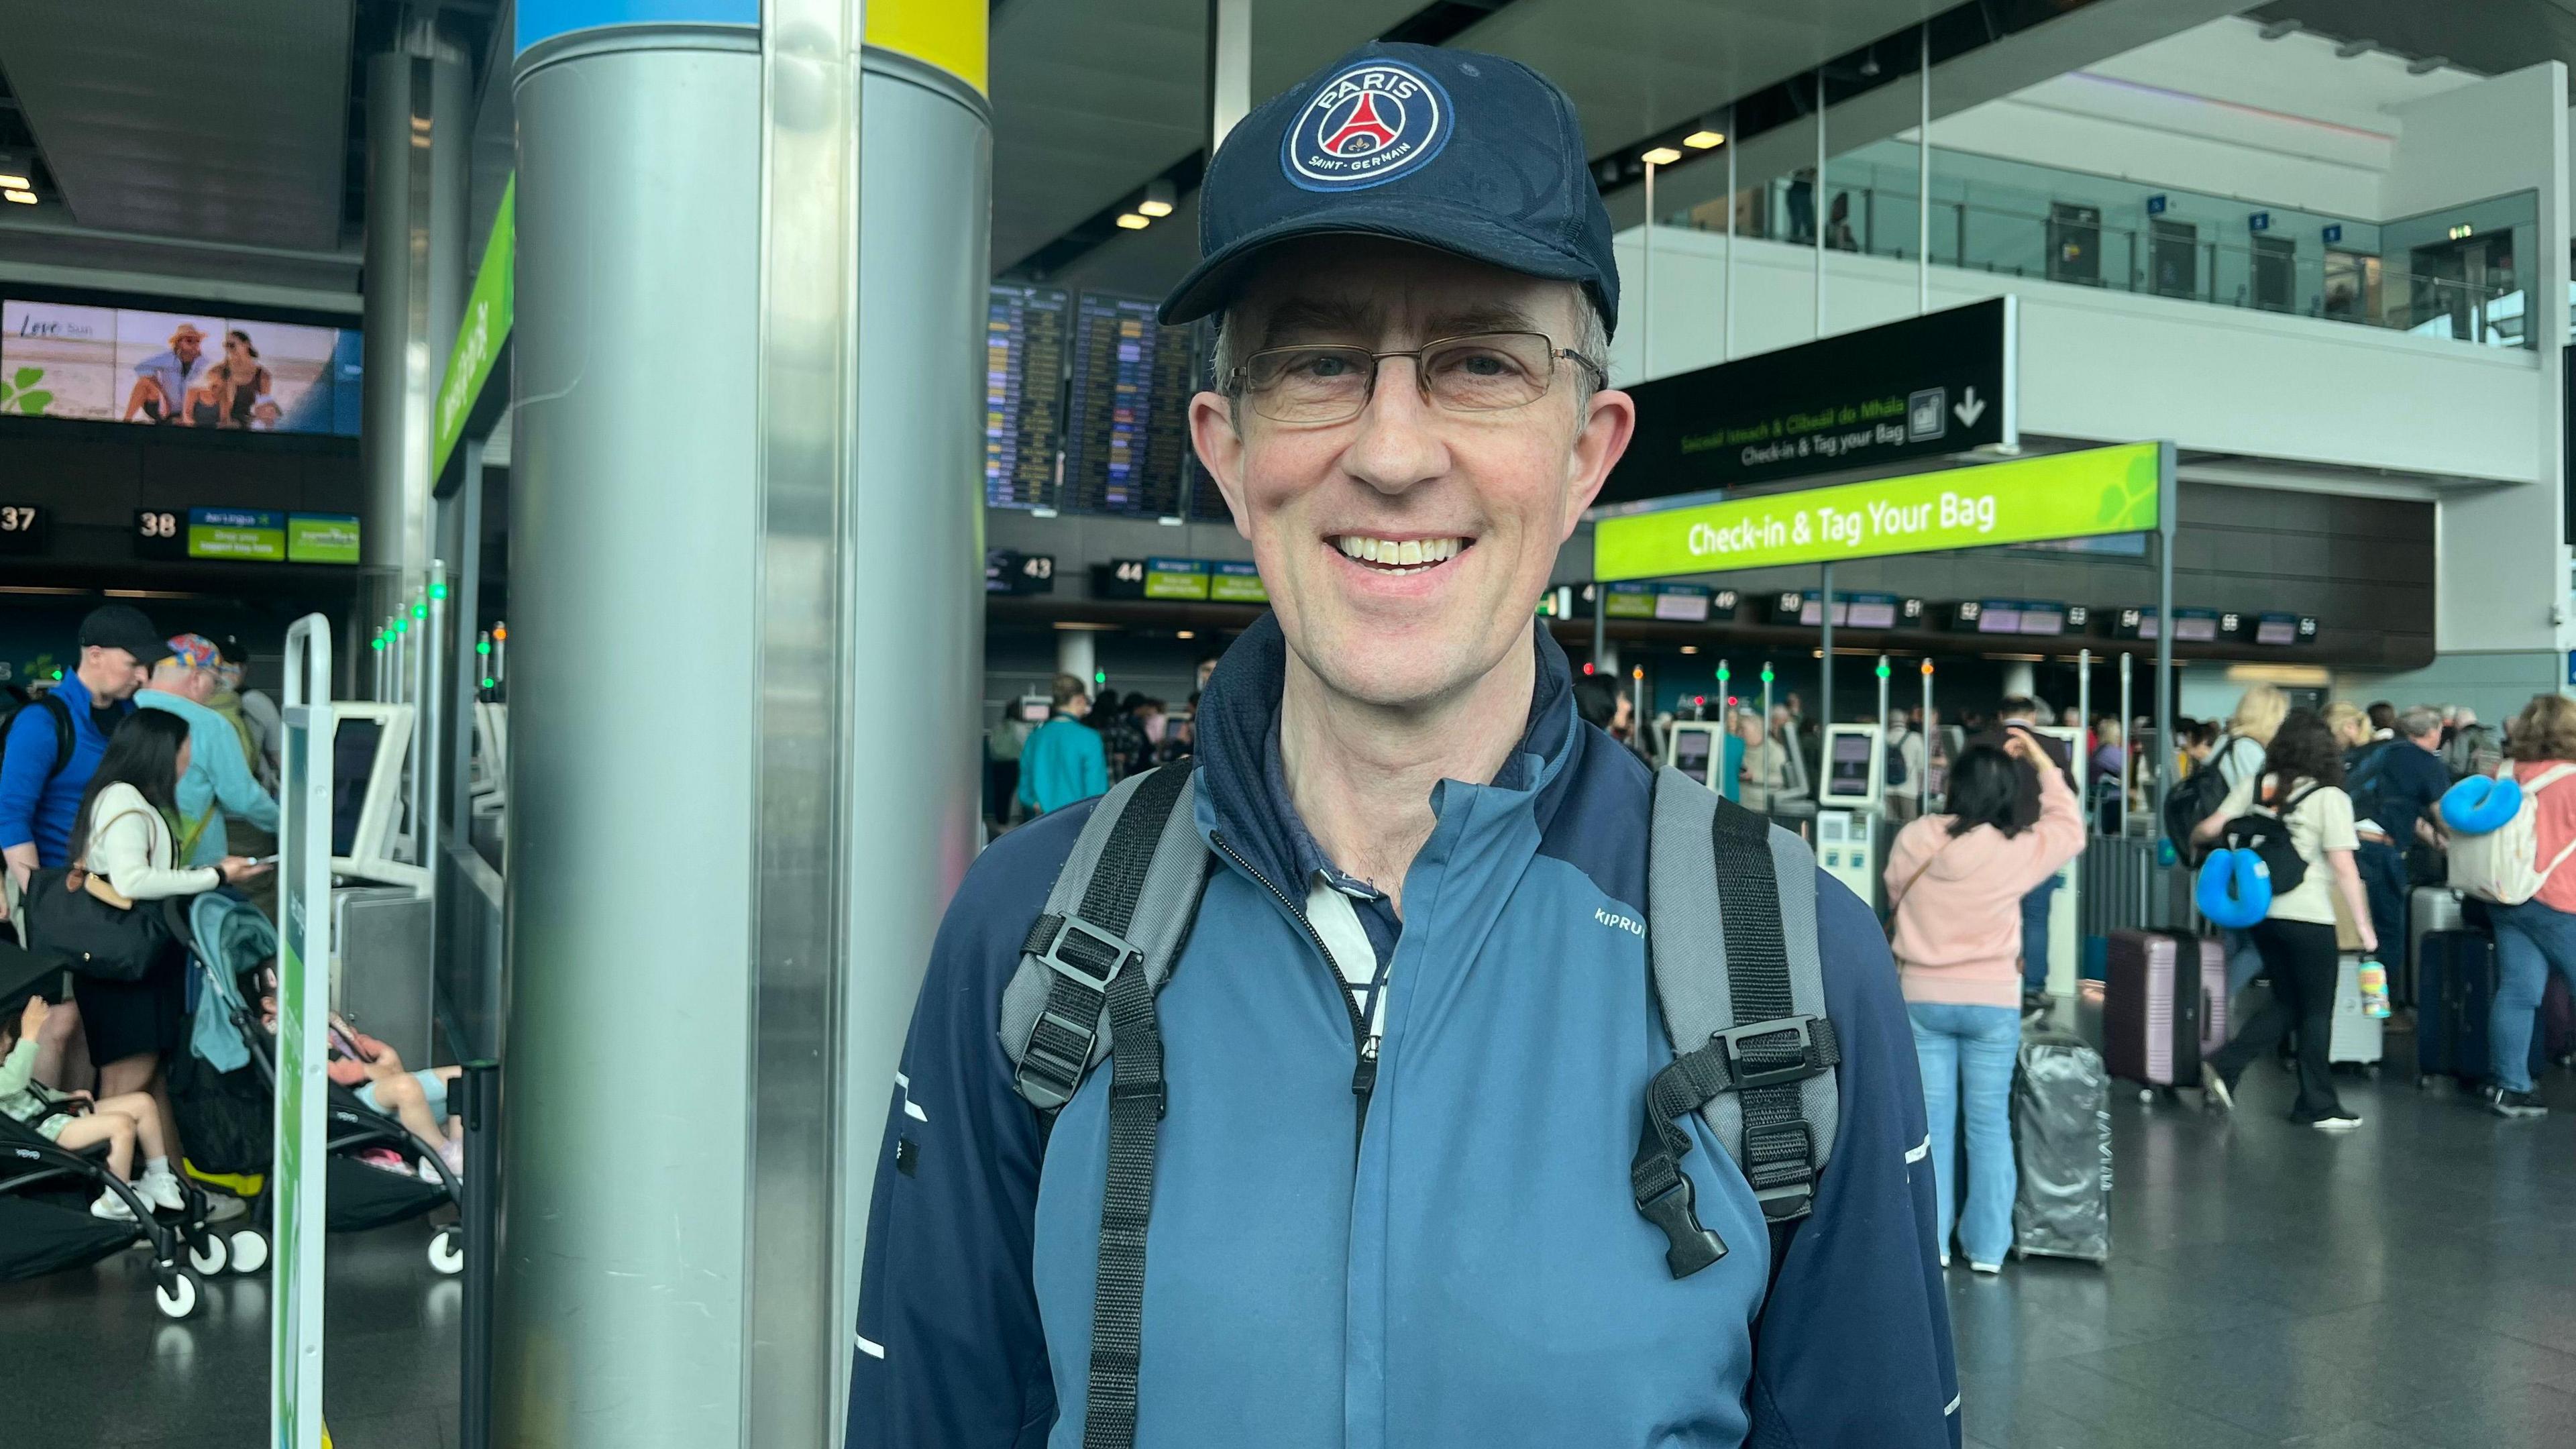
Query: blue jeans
(2034, 934)
(2531, 941)
(1968, 1051)
(2383, 880)
(2244, 963)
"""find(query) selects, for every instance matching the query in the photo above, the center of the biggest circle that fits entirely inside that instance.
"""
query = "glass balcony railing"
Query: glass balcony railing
(2074, 244)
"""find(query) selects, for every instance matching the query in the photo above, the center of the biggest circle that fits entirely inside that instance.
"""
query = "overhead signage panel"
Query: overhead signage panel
(1925, 387)
(2057, 495)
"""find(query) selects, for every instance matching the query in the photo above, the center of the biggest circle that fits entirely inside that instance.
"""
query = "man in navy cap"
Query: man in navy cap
(1404, 1045)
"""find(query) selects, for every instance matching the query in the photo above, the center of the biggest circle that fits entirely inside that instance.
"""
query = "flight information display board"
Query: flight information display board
(1024, 339)
(1127, 444)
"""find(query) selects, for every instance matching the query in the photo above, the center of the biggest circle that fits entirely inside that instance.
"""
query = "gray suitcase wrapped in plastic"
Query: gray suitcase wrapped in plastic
(2061, 1107)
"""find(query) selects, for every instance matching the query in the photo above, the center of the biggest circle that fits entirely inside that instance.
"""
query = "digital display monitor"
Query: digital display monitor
(1997, 618)
(178, 369)
(1024, 331)
(1870, 613)
(353, 763)
(1849, 757)
(1034, 708)
(2043, 619)
(1127, 439)
(1691, 752)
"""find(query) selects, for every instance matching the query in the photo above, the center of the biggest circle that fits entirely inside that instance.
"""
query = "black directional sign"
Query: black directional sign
(1925, 387)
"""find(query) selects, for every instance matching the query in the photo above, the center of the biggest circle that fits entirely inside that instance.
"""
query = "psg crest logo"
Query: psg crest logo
(1366, 126)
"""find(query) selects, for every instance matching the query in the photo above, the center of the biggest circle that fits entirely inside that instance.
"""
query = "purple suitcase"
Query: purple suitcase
(2165, 1003)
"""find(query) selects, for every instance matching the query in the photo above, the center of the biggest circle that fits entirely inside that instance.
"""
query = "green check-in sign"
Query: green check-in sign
(2026, 500)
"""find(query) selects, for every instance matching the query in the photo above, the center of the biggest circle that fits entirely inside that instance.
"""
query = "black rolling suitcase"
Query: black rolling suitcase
(2061, 1106)
(2163, 988)
(2454, 992)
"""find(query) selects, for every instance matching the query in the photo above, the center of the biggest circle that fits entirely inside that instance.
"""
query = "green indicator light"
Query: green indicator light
(1882, 669)
(482, 646)
(487, 684)
(402, 626)
(420, 611)
(377, 642)
(1766, 674)
(438, 590)
(1100, 676)
(58, 675)
(1721, 674)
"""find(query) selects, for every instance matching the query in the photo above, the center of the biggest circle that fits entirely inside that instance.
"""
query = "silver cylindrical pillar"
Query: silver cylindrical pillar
(420, 122)
(1077, 652)
(635, 511)
(2021, 678)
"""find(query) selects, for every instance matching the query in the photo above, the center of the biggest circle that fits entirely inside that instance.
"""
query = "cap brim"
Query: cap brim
(1437, 225)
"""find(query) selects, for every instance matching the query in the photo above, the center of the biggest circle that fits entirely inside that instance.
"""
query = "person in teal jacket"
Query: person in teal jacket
(1063, 761)
(219, 781)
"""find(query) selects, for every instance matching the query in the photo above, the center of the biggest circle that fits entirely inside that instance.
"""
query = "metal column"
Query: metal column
(1646, 292)
(1817, 209)
(420, 121)
(1726, 329)
(2167, 504)
(1923, 175)
(621, 1302)
(1825, 684)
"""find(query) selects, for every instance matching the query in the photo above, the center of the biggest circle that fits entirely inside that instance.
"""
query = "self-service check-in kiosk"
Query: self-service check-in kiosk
(1697, 748)
(1849, 834)
(2065, 921)
(380, 904)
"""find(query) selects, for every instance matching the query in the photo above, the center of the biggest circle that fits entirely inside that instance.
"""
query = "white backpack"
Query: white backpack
(2503, 865)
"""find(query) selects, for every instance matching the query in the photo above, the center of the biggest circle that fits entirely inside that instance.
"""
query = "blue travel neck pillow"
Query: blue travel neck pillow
(2480, 805)
(2234, 889)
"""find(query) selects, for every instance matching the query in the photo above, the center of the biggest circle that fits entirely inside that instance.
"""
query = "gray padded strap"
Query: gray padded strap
(1686, 944)
(1161, 923)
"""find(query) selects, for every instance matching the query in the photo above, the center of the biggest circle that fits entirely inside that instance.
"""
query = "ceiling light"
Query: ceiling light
(15, 182)
(1690, 649)
(1702, 140)
(2351, 48)
(1158, 199)
(2427, 65)
(2278, 28)
(1662, 156)
(23, 198)
(1130, 221)
(1186, 634)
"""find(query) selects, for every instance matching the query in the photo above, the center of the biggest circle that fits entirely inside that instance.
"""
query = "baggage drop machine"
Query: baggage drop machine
(2065, 914)
(1697, 748)
(1850, 836)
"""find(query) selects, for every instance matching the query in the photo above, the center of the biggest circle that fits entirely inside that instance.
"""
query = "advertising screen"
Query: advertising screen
(177, 369)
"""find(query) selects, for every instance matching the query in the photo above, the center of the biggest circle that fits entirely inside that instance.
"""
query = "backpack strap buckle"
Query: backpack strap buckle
(1817, 1051)
(1084, 959)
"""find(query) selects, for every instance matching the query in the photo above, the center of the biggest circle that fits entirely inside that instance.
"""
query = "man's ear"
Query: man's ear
(1220, 447)
(1609, 421)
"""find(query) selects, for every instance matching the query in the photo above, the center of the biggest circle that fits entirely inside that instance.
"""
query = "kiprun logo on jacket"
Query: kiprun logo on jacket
(1629, 924)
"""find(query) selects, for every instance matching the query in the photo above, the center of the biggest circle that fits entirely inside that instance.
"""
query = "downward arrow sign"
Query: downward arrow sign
(1969, 409)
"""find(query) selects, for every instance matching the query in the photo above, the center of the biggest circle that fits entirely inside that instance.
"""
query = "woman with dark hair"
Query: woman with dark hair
(127, 837)
(1954, 888)
(2301, 784)
(2537, 936)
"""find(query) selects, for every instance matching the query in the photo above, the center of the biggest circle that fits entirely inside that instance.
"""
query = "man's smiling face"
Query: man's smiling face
(1405, 549)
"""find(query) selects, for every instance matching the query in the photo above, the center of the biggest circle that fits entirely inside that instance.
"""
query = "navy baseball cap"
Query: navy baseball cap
(1470, 154)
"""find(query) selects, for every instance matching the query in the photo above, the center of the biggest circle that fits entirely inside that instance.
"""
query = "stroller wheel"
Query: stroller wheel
(250, 1250)
(176, 1295)
(447, 1251)
(209, 1254)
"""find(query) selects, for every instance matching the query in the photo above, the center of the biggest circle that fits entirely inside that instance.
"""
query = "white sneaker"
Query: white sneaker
(111, 1207)
(2339, 1122)
(1987, 1268)
(452, 1152)
(162, 1190)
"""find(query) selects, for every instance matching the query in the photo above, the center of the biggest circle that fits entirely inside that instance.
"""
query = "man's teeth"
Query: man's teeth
(1410, 553)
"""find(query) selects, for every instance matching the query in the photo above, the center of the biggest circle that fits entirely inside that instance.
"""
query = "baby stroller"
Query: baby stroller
(45, 1191)
(227, 1094)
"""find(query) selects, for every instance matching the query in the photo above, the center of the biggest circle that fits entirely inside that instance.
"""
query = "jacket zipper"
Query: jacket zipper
(1363, 1045)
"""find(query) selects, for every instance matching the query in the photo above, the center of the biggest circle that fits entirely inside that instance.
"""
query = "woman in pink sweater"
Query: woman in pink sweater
(1954, 888)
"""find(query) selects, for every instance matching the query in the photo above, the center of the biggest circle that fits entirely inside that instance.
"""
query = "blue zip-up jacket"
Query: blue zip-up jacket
(1063, 762)
(31, 808)
(1473, 1272)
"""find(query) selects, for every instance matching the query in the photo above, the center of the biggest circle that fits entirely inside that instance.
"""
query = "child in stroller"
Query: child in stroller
(72, 1121)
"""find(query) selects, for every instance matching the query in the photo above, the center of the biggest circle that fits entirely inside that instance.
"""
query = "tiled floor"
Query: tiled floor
(117, 1375)
(2411, 1286)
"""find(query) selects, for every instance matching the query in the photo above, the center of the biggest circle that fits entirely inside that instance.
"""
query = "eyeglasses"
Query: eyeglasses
(1488, 372)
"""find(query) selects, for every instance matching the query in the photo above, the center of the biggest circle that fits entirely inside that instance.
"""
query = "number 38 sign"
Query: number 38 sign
(160, 533)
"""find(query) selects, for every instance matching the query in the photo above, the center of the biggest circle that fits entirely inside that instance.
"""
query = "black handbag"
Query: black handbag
(95, 937)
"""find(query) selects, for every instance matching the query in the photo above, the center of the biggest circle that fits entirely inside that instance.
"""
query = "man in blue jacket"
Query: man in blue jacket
(52, 747)
(1404, 1047)
(1064, 760)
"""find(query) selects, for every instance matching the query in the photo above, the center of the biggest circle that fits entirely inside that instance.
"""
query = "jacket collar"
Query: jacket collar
(1243, 792)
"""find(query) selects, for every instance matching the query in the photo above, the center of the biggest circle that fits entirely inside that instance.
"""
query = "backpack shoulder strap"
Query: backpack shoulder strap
(50, 705)
(1731, 936)
(1122, 903)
